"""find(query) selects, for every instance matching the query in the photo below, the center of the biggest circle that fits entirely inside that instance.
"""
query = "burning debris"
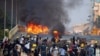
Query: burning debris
(50, 13)
(37, 29)
(44, 12)
(56, 35)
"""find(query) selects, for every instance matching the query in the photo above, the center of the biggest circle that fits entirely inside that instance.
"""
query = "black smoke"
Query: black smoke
(50, 13)
(45, 12)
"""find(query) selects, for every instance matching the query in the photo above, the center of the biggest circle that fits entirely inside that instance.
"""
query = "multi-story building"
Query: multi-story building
(82, 29)
(96, 9)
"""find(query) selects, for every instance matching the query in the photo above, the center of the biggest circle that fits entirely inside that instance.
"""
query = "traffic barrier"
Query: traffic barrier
(13, 31)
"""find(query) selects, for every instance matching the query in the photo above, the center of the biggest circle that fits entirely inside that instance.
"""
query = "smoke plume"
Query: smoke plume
(51, 13)
(46, 12)
(70, 4)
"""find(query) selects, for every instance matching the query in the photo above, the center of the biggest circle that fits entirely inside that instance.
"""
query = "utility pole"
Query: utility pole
(18, 9)
(11, 14)
(4, 17)
(16, 13)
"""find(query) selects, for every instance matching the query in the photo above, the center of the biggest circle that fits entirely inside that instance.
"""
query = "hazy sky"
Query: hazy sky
(79, 14)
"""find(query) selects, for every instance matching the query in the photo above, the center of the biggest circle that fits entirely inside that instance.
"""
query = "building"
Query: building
(82, 29)
(96, 10)
(96, 29)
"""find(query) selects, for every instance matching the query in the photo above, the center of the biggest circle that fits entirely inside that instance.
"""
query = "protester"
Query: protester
(19, 49)
(91, 50)
(15, 51)
(27, 48)
(55, 51)
(62, 51)
(36, 52)
(75, 50)
(82, 52)
(6, 48)
(43, 49)
(34, 46)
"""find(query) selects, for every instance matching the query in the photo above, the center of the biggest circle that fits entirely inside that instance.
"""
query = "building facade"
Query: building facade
(96, 9)
(82, 29)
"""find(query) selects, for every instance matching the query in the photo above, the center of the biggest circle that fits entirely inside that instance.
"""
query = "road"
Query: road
(64, 37)
(67, 37)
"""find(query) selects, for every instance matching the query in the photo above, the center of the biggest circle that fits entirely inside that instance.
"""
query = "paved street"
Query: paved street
(23, 54)
(64, 38)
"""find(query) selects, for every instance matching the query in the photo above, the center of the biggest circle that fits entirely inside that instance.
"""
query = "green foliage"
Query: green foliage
(2, 24)
(1, 33)
(1, 19)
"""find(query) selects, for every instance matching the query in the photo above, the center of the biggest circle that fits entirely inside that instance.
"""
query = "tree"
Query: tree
(2, 24)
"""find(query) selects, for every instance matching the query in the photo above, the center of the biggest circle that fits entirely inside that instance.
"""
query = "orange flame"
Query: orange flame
(37, 29)
(56, 35)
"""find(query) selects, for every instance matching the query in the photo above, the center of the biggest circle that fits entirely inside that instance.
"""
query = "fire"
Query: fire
(37, 29)
(56, 35)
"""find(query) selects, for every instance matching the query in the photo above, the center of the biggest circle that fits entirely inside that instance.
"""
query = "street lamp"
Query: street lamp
(4, 17)
(16, 13)
(11, 14)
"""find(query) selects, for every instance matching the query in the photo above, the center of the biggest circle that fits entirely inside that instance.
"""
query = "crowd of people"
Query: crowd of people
(36, 46)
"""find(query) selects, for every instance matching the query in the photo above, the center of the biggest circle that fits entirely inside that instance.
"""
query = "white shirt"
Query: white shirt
(55, 51)
(31, 38)
(21, 40)
(19, 47)
(35, 39)
(51, 49)
(62, 51)
(27, 45)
